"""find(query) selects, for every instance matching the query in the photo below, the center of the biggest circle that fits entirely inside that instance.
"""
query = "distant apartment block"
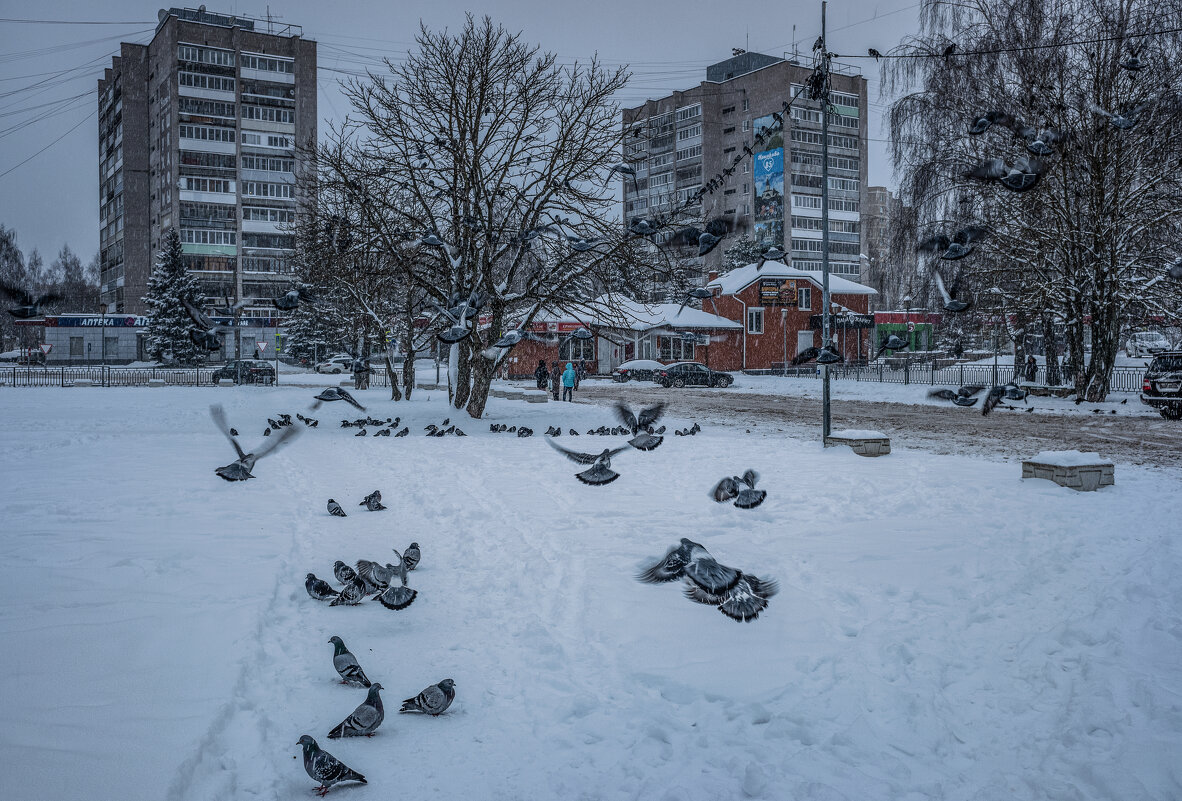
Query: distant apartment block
(679, 142)
(198, 131)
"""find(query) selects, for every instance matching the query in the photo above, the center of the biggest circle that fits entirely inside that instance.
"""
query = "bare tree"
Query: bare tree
(1087, 246)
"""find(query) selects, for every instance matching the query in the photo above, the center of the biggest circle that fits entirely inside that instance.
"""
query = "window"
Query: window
(840, 184)
(263, 214)
(269, 164)
(198, 158)
(664, 179)
(199, 80)
(205, 55)
(265, 64)
(574, 349)
(203, 236)
(804, 298)
(262, 189)
(689, 112)
(729, 110)
(656, 162)
(806, 202)
(268, 241)
(729, 130)
(755, 321)
(809, 181)
(674, 349)
(206, 133)
(728, 192)
(746, 125)
(689, 153)
(692, 132)
(195, 184)
(746, 104)
(205, 108)
(807, 245)
(268, 114)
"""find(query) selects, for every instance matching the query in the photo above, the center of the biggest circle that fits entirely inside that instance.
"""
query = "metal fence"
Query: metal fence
(1124, 379)
(105, 376)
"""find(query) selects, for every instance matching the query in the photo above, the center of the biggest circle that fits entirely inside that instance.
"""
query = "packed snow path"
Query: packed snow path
(944, 631)
(1129, 432)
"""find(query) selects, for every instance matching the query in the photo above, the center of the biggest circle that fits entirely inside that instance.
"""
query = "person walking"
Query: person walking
(555, 378)
(569, 379)
(541, 375)
(580, 373)
(1031, 369)
(361, 370)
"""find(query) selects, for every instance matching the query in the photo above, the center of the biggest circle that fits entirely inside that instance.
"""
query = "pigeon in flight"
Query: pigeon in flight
(992, 399)
(698, 293)
(397, 595)
(373, 501)
(335, 509)
(643, 227)
(893, 342)
(365, 719)
(741, 489)
(29, 305)
(1043, 143)
(1132, 63)
(951, 303)
(600, 471)
(1123, 120)
(411, 556)
(330, 394)
(347, 665)
(1175, 269)
(956, 247)
(1020, 176)
(638, 425)
(988, 120)
(319, 588)
(771, 254)
(961, 397)
(624, 169)
(432, 701)
(323, 767)
(736, 594)
(580, 244)
(823, 355)
(291, 299)
(240, 469)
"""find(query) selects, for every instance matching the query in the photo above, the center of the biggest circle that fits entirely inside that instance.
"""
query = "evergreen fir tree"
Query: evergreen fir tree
(168, 323)
(743, 251)
(313, 331)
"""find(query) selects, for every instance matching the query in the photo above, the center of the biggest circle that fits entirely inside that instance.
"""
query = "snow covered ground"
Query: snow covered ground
(944, 629)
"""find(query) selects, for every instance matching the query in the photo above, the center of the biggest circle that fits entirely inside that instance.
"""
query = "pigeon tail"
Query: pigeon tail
(597, 476)
(750, 498)
(397, 597)
(645, 442)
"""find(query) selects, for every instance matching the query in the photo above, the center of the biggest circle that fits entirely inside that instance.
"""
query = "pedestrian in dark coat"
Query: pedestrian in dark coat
(1031, 369)
(555, 378)
(361, 371)
(580, 372)
(541, 375)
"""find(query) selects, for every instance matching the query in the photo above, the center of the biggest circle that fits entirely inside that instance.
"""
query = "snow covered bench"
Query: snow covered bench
(535, 395)
(511, 393)
(1085, 472)
(1044, 391)
(155, 382)
(82, 382)
(225, 382)
(864, 443)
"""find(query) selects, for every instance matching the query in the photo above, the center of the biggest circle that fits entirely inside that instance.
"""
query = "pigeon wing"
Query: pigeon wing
(750, 477)
(671, 567)
(743, 603)
(574, 456)
(16, 294)
(699, 595)
(725, 490)
(219, 419)
(625, 416)
(650, 415)
(711, 576)
(284, 436)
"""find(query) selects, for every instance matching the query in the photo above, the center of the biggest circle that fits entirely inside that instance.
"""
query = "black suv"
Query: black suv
(254, 371)
(692, 374)
(1162, 386)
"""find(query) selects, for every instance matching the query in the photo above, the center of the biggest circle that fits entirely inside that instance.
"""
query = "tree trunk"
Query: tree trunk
(1105, 343)
(395, 394)
(408, 369)
(483, 371)
(1051, 350)
(463, 386)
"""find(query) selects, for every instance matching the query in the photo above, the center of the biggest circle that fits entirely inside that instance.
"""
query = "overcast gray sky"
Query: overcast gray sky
(48, 72)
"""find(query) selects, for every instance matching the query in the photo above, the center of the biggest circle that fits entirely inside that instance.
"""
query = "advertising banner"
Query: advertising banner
(777, 291)
(768, 183)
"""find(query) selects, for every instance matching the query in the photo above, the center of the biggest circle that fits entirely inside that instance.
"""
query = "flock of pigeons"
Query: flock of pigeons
(966, 396)
(369, 578)
(323, 767)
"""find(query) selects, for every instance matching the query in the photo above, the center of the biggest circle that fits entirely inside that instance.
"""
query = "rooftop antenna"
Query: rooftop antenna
(795, 53)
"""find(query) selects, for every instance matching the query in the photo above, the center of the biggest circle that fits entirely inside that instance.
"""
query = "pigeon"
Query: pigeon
(600, 471)
(373, 501)
(405, 430)
(984, 123)
(291, 299)
(365, 718)
(874, 54)
(241, 469)
(360, 433)
(1021, 176)
(323, 767)
(943, 394)
(1043, 143)
(736, 594)
(397, 596)
(273, 424)
(992, 399)
(642, 227)
(551, 431)
(319, 588)
(233, 432)
(698, 293)
(1014, 392)
(346, 664)
(267, 432)
(351, 594)
(1122, 120)
(771, 254)
(573, 433)
(411, 556)
(1175, 269)
(893, 342)
(637, 426)
(624, 169)
(580, 244)
(343, 572)
(745, 497)
(956, 247)
(337, 394)
(694, 429)
(825, 355)
(433, 701)
(29, 305)
(526, 432)
(1132, 63)
(374, 576)
(951, 303)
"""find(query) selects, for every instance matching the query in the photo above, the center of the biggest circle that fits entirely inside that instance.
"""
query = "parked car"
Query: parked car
(1162, 385)
(692, 374)
(253, 371)
(336, 365)
(637, 370)
(1146, 343)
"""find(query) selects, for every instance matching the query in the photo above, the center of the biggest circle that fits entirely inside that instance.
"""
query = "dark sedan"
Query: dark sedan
(253, 371)
(692, 374)
(1162, 385)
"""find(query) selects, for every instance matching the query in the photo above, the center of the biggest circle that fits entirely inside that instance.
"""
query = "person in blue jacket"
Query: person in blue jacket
(568, 382)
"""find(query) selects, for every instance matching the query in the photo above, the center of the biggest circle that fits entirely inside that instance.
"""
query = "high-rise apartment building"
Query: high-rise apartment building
(681, 141)
(198, 131)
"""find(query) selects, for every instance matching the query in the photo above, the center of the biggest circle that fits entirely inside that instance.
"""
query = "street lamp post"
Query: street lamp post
(907, 352)
(103, 330)
(784, 328)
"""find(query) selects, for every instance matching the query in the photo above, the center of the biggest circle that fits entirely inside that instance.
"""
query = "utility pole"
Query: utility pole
(826, 305)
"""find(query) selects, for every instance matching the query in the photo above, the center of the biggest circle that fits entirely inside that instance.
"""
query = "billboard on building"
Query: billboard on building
(768, 182)
(777, 291)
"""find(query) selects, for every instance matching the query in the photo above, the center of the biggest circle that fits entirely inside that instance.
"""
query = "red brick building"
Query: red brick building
(780, 308)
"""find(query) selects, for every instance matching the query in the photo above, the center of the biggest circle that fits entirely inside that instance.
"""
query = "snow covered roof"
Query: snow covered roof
(615, 311)
(737, 280)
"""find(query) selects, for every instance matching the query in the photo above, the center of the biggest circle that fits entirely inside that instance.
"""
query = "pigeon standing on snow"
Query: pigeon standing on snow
(365, 718)
(335, 509)
(639, 425)
(411, 556)
(343, 572)
(323, 767)
(737, 595)
(373, 501)
(741, 488)
(347, 665)
(319, 588)
(433, 701)
(600, 471)
(240, 470)
(351, 594)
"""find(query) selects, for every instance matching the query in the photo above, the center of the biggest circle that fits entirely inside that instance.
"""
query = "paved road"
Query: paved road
(1013, 435)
